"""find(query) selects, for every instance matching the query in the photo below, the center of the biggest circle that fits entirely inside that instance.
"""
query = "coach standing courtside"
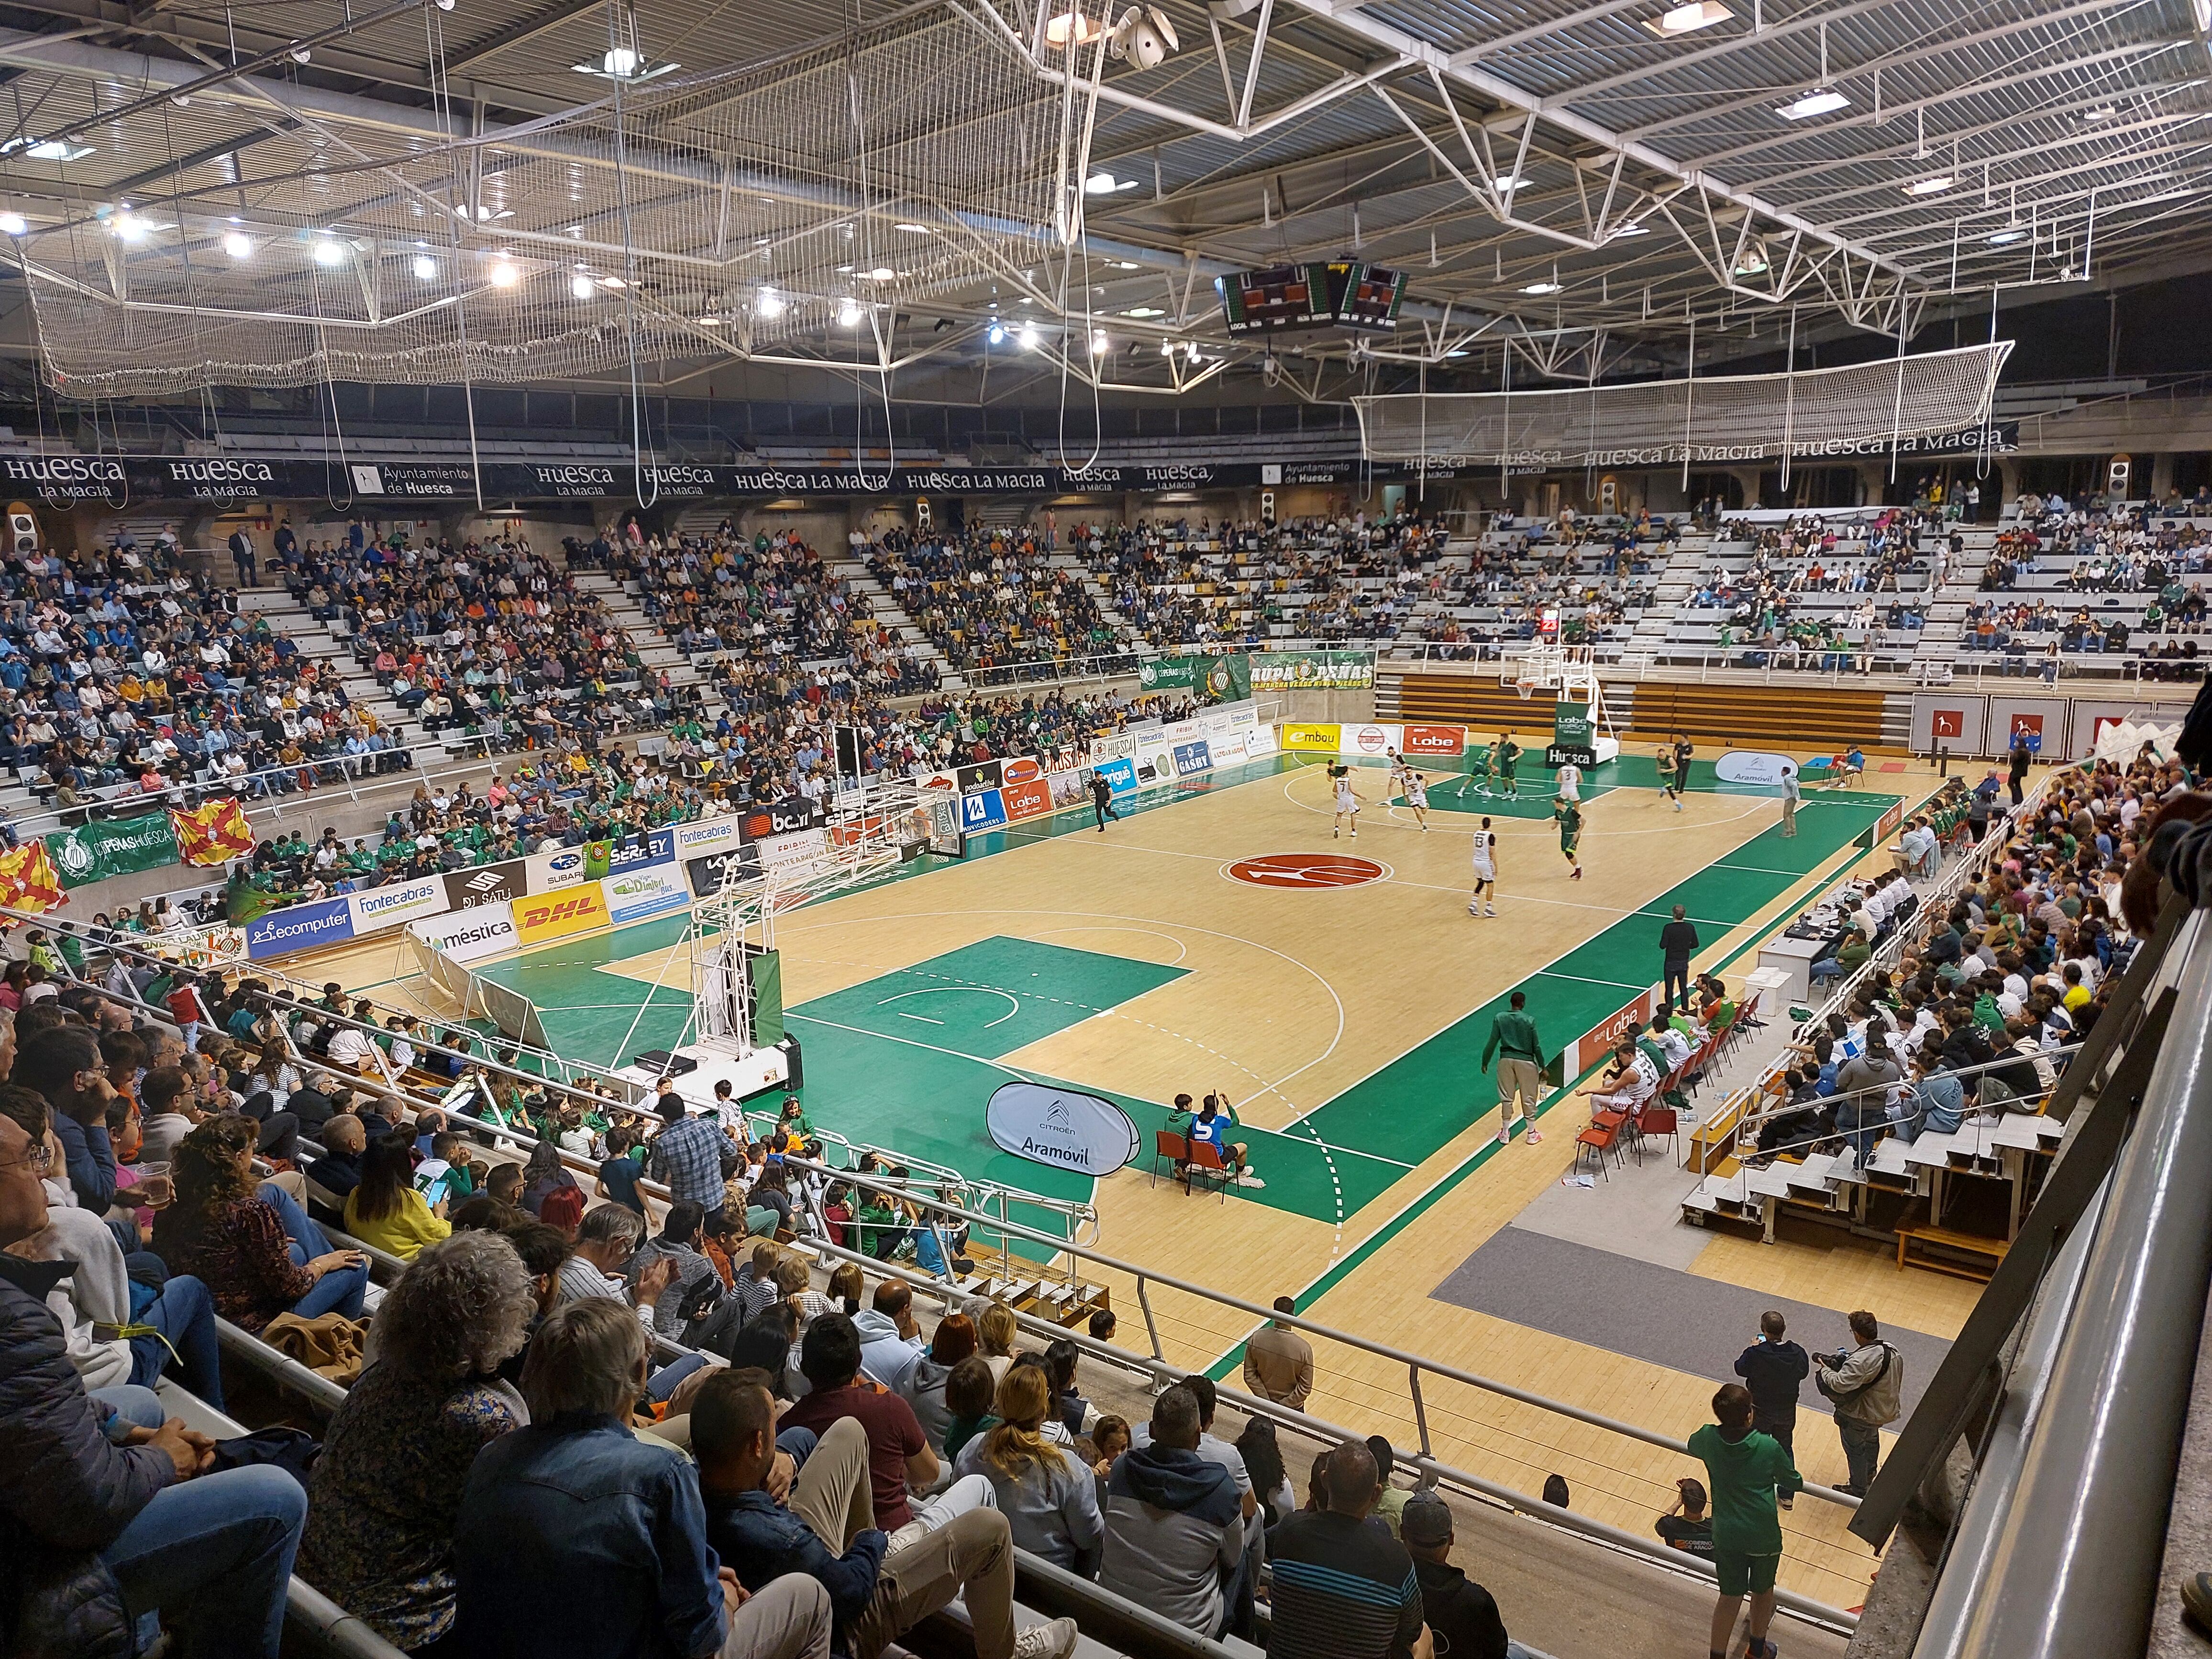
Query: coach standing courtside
(1520, 1054)
(1678, 942)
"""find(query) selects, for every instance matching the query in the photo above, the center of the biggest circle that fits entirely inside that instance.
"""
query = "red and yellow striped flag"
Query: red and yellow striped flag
(27, 879)
(214, 833)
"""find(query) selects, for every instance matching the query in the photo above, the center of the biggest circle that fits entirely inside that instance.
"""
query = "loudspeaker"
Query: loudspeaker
(797, 1077)
(660, 1062)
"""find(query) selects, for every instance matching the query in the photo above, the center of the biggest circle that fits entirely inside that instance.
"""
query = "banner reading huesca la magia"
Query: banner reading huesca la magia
(112, 847)
(372, 488)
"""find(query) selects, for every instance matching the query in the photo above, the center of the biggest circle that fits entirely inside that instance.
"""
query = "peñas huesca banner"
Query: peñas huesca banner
(112, 847)
(1209, 679)
(1313, 671)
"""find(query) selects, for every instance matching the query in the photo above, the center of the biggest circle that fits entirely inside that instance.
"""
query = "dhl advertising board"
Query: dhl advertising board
(573, 909)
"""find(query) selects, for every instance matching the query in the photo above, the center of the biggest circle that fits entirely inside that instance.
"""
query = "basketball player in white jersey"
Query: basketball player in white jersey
(1417, 797)
(1485, 873)
(1568, 781)
(1347, 802)
(1399, 771)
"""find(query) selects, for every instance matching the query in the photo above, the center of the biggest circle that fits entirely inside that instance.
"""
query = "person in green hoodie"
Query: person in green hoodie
(1745, 1470)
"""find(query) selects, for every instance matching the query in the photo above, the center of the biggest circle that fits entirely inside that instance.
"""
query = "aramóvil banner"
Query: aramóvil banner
(112, 847)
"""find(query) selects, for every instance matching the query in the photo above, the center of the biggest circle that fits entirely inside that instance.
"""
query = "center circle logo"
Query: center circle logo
(1305, 871)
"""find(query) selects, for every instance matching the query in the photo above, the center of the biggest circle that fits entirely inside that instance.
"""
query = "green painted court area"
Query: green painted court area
(907, 1060)
(1413, 1106)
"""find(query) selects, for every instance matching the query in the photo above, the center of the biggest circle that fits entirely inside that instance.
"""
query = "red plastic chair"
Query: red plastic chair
(1655, 1121)
(1168, 1147)
(1598, 1138)
(1205, 1164)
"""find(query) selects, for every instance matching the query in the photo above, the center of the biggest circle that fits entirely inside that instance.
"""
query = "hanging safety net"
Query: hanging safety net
(1939, 397)
(690, 214)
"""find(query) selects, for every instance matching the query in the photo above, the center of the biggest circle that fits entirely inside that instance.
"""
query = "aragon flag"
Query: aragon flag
(27, 879)
(213, 833)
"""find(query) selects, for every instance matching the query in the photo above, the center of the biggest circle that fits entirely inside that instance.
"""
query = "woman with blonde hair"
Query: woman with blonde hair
(1048, 1499)
(995, 1331)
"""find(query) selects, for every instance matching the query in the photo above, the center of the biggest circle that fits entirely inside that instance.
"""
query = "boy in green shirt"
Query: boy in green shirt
(1746, 1471)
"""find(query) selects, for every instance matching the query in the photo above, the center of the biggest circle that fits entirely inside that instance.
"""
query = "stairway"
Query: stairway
(654, 648)
(884, 610)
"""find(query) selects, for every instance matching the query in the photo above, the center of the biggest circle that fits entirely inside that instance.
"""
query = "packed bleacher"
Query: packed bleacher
(989, 598)
(1953, 1017)
(1180, 586)
(749, 1459)
(120, 675)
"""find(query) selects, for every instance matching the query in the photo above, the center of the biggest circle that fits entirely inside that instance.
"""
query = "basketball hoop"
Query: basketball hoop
(1528, 687)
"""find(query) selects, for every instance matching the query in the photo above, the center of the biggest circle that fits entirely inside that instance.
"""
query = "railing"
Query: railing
(1430, 1468)
(1053, 670)
(2057, 1551)
(1730, 1118)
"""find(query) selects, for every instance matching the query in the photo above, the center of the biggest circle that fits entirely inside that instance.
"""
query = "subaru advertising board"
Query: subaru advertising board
(299, 928)
(562, 867)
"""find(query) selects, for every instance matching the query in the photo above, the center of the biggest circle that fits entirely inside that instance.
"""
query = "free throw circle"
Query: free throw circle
(1305, 871)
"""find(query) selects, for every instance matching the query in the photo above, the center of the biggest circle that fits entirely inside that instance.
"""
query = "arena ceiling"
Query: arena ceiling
(550, 189)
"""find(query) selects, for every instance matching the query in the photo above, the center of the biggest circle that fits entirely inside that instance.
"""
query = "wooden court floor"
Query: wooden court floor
(1345, 1022)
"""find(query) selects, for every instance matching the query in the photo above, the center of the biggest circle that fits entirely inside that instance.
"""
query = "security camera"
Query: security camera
(1145, 37)
(1270, 370)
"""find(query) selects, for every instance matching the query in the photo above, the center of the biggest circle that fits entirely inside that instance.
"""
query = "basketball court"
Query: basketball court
(1219, 939)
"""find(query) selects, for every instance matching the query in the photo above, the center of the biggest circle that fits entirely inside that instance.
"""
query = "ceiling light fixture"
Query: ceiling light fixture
(2102, 113)
(1071, 26)
(768, 305)
(2006, 237)
(13, 224)
(426, 268)
(1029, 337)
(912, 229)
(882, 274)
(710, 321)
(130, 226)
(55, 149)
(504, 273)
(1102, 182)
(1143, 311)
(1688, 19)
(613, 283)
(582, 287)
(996, 334)
(1190, 351)
(848, 313)
(1752, 262)
(1819, 101)
(1632, 228)
(1543, 287)
(329, 252)
(235, 243)
(1099, 343)
(1935, 186)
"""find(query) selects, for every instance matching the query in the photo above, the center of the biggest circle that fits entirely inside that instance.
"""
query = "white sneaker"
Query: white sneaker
(1246, 1178)
(1503, 1136)
(1489, 909)
(1473, 911)
(1054, 1641)
(1536, 1136)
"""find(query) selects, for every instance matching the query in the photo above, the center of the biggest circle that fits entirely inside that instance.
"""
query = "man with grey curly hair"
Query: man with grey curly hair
(384, 1495)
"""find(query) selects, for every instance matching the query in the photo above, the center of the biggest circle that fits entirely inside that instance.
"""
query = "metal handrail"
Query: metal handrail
(1887, 954)
(1264, 1314)
(1432, 1470)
